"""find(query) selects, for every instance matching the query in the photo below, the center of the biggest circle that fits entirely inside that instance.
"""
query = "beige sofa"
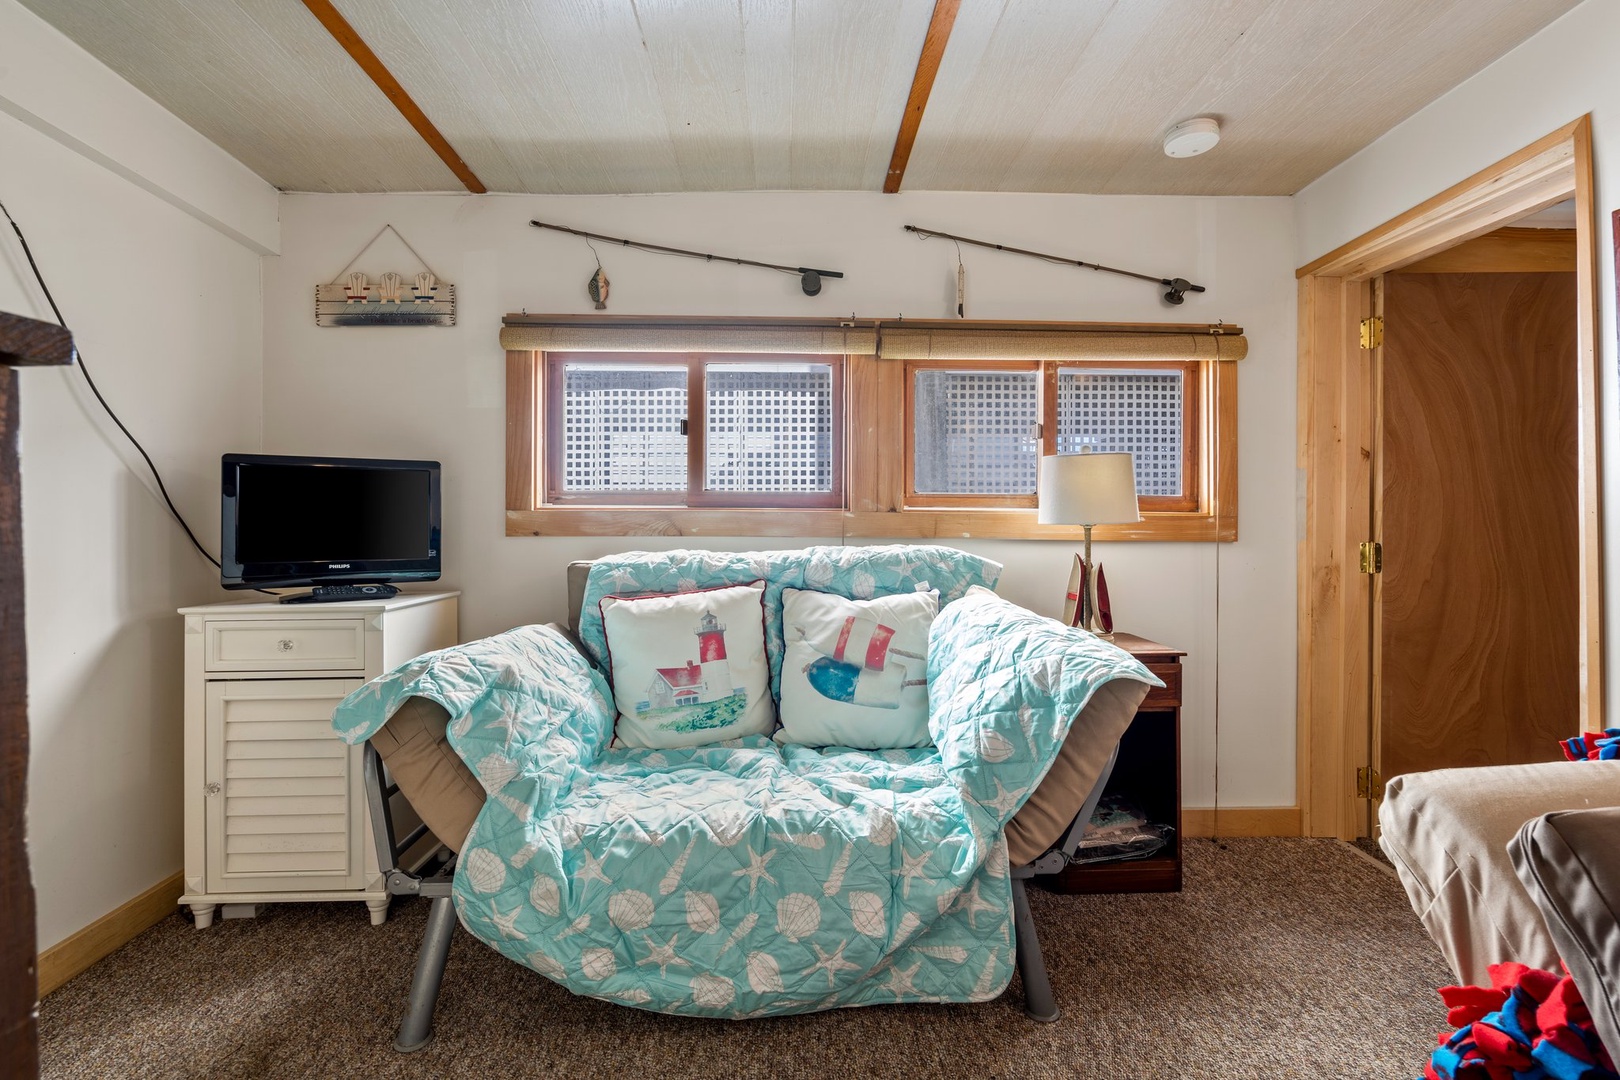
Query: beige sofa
(1516, 863)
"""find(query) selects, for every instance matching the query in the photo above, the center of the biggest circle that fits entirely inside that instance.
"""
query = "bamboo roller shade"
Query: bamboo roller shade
(825, 341)
(973, 344)
(887, 342)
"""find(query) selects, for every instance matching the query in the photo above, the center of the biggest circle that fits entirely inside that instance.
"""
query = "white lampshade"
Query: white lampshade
(1087, 489)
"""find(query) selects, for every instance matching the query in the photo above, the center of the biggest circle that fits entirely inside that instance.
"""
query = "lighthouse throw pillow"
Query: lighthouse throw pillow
(689, 669)
(855, 672)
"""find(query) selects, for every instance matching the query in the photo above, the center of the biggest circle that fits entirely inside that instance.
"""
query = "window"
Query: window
(974, 434)
(978, 431)
(858, 429)
(626, 430)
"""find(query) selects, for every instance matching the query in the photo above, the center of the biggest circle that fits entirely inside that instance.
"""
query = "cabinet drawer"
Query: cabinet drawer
(329, 644)
(1170, 696)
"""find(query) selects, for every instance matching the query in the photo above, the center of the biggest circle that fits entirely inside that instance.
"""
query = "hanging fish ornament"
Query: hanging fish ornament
(597, 288)
(961, 289)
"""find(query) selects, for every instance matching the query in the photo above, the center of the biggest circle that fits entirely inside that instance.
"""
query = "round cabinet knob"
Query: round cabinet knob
(212, 787)
(285, 644)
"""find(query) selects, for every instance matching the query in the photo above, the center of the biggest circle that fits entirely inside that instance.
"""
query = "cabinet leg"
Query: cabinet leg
(379, 910)
(203, 914)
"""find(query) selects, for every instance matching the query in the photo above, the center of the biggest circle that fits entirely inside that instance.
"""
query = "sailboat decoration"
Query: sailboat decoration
(352, 299)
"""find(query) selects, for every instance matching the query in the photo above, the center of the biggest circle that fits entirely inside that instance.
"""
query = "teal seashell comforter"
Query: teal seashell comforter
(746, 878)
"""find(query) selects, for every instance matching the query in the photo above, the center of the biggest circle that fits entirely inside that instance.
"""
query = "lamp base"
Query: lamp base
(1091, 588)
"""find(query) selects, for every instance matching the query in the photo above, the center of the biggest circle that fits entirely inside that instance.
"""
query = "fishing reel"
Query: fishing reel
(1178, 289)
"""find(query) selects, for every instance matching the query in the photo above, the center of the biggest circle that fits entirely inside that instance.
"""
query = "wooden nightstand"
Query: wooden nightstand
(1149, 773)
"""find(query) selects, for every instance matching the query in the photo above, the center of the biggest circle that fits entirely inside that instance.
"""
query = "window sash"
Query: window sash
(920, 499)
(1193, 449)
(551, 438)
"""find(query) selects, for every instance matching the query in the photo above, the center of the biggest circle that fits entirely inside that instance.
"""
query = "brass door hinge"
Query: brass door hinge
(1369, 785)
(1372, 332)
(1372, 557)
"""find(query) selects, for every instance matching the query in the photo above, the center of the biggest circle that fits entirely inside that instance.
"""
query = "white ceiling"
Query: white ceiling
(587, 96)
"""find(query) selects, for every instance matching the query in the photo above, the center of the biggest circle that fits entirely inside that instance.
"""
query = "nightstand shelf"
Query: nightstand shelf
(1149, 773)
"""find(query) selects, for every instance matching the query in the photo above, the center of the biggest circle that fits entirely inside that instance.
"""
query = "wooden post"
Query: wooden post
(22, 342)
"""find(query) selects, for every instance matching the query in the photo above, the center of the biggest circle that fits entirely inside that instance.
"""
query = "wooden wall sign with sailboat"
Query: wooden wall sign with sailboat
(392, 300)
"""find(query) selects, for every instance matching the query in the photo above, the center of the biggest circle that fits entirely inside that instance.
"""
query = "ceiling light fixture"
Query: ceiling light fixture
(1192, 137)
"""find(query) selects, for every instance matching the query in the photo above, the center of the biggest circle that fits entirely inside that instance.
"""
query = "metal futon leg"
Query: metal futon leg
(416, 1030)
(1039, 1004)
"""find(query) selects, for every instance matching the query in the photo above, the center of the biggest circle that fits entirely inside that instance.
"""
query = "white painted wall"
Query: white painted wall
(166, 305)
(439, 392)
(1566, 70)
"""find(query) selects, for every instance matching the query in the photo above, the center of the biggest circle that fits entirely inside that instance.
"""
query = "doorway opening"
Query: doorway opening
(1406, 442)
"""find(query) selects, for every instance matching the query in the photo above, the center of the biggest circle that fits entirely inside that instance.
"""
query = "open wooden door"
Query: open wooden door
(1477, 624)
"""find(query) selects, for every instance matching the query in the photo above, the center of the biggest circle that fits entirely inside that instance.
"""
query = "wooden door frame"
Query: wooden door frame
(1338, 414)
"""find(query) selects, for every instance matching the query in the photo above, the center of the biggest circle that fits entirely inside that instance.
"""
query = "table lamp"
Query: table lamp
(1086, 490)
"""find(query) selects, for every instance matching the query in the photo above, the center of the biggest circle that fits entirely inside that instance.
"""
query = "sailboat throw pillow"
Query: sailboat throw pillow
(689, 669)
(855, 672)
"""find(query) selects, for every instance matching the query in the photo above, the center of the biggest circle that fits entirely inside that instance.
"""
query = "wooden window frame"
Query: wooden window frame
(1193, 451)
(872, 469)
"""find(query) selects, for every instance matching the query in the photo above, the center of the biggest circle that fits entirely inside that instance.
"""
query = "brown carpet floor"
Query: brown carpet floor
(1282, 958)
(1370, 846)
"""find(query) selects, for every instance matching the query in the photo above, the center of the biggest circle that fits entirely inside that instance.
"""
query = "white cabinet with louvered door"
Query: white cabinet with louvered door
(275, 803)
(281, 807)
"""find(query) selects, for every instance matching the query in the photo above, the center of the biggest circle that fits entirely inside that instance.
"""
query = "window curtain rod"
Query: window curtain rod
(892, 339)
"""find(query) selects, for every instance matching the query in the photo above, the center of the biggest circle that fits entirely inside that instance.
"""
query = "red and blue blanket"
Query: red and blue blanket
(1527, 1025)
(1594, 746)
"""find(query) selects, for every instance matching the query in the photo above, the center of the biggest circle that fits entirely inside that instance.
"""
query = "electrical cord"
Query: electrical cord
(133, 441)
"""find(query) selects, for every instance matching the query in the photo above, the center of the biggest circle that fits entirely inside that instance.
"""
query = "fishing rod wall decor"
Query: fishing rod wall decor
(597, 287)
(1176, 289)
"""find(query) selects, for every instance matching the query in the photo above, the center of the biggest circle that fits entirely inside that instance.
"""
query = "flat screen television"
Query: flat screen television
(326, 521)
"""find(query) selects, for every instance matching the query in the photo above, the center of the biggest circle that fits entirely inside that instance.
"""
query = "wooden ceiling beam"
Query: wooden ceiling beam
(355, 46)
(922, 84)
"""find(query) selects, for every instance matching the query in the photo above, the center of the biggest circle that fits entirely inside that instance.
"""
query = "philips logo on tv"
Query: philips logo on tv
(338, 566)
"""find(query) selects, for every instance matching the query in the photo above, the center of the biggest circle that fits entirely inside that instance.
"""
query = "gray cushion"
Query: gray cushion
(1570, 864)
(577, 573)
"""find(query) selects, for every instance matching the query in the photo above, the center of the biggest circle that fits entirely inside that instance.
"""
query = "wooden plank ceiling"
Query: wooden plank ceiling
(589, 96)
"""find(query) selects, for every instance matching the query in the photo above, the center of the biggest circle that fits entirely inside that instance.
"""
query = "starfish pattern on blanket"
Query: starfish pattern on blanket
(832, 963)
(756, 869)
(900, 981)
(1005, 801)
(592, 870)
(507, 923)
(662, 955)
(971, 902)
(912, 868)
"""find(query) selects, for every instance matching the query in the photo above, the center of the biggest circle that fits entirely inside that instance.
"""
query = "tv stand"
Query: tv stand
(332, 594)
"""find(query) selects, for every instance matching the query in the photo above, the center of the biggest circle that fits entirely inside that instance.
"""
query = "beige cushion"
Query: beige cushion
(1447, 833)
(441, 788)
(1569, 862)
(1096, 731)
